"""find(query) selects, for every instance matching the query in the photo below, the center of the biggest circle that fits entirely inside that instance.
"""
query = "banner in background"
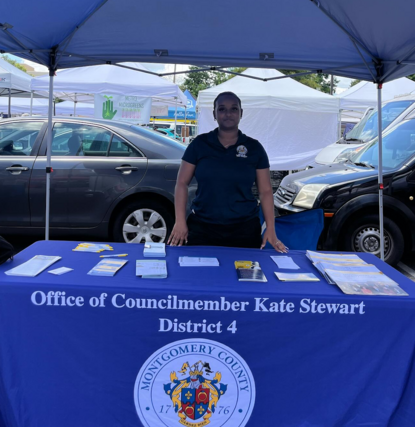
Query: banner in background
(122, 107)
(159, 110)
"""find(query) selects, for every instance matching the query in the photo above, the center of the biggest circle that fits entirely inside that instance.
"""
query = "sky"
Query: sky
(343, 85)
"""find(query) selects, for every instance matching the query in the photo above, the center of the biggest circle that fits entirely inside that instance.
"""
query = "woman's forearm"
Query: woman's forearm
(180, 201)
(267, 204)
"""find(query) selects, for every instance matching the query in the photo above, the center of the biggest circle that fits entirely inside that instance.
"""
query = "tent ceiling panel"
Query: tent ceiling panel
(347, 38)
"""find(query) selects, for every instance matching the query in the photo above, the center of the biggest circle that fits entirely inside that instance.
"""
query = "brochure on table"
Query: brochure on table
(34, 266)
(151, 269)
(348, 271)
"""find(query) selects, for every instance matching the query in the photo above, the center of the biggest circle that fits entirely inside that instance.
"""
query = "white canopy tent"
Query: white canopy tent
(22, 106)
(87, 109)
(363, 95)
(14, 79)
(292, 121)
(67, 108)
(77, 84)
(13, 82)
(40, 107)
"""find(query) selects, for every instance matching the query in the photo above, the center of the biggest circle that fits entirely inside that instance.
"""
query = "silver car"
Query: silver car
(110, 180)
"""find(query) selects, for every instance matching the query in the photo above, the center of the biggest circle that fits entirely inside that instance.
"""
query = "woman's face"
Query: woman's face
(228, 113)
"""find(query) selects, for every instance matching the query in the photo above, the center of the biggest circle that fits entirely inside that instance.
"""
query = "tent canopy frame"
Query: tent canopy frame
(160, 55)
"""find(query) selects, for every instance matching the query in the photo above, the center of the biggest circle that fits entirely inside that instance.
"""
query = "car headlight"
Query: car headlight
(308, 195)
(347, 154)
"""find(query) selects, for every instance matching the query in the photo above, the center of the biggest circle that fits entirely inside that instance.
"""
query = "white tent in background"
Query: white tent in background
(292, 121)
(87, 109)
(22, 106)
(77, 84)
(66, 108)
(14, 79)
(13, 82)
(364, 95)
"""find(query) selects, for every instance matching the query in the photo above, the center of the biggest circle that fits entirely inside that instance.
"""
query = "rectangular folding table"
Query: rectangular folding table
(200, 348)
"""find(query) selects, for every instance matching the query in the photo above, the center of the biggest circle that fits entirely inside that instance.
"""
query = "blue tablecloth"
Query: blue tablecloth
(275, 354)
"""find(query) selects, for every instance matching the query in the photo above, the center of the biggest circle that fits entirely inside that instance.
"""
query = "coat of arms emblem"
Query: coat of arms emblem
(241, 151)
(195, 397)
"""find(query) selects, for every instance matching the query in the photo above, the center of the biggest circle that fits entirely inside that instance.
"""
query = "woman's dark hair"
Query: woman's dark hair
(227, 94)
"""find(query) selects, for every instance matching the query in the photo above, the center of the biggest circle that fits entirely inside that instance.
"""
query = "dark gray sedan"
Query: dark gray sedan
(110, 180)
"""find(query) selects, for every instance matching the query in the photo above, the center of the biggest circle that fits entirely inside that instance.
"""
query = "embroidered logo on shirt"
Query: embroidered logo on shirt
(241, 151)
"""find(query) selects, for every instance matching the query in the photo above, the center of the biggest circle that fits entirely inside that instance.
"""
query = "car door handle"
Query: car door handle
(17, 169)
(126, 168)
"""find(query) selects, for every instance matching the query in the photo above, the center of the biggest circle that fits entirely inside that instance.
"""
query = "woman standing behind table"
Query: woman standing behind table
(225, 163)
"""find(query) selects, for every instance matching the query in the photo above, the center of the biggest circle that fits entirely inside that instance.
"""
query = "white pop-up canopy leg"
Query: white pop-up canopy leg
(31, 103)
(48, 155)
(185, 123)
(380, 174)
(175, 119)
(9, 110)
(74, 107)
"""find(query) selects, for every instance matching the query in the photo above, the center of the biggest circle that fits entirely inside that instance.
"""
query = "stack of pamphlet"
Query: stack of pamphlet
(249, 271)
(151, 269)
(154, 250)
(285, 262)
(92, 247)
(107, 267)
(192, 261)
(34, 266)
(353, 275)
(339, 261)
(297, 277)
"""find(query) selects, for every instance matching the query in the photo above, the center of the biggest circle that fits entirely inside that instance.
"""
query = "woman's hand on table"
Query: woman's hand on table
(178, 235)
(271, 237)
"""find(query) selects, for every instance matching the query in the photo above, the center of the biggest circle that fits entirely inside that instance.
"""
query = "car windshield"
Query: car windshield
(367, 128)
(398, 147)
(158, 134)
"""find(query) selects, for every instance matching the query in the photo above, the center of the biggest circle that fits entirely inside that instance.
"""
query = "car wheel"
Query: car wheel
(363, 235)
(141, 222)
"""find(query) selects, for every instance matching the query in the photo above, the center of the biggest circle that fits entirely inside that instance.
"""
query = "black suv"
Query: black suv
(348, 194)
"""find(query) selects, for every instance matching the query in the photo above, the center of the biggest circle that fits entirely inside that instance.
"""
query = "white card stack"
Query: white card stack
(155, 250)
(192, 261)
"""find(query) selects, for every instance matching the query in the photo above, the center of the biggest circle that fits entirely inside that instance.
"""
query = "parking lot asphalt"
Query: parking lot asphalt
(406, 266)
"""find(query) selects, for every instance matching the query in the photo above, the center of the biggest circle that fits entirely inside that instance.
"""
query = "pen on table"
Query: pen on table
(112, 256)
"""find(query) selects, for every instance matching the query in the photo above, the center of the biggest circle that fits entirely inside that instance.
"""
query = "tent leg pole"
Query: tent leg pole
(74, 107)
(48, 155)
(380, 173)
(175, 120)
(31, 103)
(9, 110)
(185, 123)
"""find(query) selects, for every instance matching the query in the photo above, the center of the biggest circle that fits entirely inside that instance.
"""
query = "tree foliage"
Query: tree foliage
(319, 81)
(354, 82)
(14, 62)
(197, 81)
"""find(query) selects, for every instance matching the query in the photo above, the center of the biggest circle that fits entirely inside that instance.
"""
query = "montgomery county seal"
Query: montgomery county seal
(193, 383)
(241, 151)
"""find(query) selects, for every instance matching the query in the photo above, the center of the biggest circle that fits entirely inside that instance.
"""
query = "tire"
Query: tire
(143, 221)
(363, 235)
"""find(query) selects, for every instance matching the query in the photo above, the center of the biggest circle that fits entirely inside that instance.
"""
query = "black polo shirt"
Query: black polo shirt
(225, 177)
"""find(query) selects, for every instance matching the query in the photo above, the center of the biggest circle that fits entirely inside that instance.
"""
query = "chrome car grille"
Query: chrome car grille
(284, 195)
